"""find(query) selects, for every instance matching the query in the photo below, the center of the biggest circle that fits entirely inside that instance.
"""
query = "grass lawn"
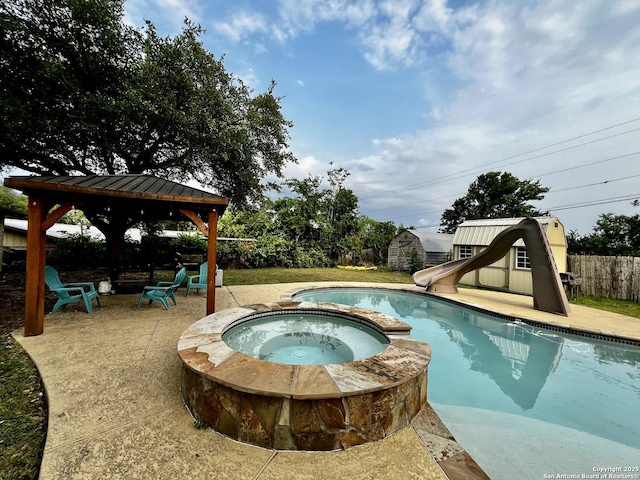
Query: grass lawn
(623, 307)
(23, 421)
(289, 275)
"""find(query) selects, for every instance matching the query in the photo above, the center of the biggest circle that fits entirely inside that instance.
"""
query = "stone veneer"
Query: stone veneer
(302, 407)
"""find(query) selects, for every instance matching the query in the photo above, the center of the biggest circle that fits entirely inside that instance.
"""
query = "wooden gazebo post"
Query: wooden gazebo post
(212, 251)
(37, 224)
(34, 283)
(211, 232)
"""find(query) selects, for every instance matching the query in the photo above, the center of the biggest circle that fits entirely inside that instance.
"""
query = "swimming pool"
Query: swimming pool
(524, 401)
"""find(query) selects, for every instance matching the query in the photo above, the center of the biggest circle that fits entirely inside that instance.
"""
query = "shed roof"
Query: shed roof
(482, 232)
(434, 242)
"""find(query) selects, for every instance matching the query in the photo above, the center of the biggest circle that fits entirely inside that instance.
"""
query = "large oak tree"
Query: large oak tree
(83, 93)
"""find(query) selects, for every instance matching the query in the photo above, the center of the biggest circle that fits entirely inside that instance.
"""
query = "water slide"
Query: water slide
(548, 292)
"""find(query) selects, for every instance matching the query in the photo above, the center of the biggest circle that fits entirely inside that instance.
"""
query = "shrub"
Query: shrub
(78, 251)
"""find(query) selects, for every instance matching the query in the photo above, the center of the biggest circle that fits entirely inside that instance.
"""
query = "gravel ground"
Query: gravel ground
(12, 296)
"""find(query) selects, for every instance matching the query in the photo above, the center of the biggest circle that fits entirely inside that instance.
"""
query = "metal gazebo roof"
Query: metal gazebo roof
(158, 198)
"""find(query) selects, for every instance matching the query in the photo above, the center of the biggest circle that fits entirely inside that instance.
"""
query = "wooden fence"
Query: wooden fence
(607, 277)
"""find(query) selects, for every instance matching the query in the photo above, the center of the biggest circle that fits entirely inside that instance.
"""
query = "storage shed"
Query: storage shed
(512, 273)
(411, 249)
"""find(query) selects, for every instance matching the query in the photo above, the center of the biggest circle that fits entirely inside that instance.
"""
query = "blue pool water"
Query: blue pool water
(524, 401)
(305, 339)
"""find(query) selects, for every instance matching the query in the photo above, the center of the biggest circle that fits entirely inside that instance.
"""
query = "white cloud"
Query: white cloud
(390, 44)
(300, 82)
(171, 12)
(250, 78)
(308, 165)
(297, 16)
(242, 25)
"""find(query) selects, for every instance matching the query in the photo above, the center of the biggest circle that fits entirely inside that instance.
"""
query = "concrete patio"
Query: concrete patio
(115, 409)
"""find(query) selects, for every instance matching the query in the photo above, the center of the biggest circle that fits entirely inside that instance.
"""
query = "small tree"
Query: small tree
(377, 236)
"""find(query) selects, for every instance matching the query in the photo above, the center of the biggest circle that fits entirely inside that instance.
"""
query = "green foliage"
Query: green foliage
(12, 201)
(76, 252)
(64, 64)
(377, 236)
(612, 235)
(494, 195)
(190, 243)
(83, 93)
(413, 260)
(73, 217)
(270, 251)
(311, 228)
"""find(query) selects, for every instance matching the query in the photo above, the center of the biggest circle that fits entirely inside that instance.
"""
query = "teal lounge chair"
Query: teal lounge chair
(161, 291)
(198, 281)
(70, 292)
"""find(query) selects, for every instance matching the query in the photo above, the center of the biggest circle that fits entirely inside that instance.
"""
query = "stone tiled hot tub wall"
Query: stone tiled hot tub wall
(302, 407)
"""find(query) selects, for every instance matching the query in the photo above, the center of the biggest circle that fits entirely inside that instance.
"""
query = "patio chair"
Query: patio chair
(70, 292)
(199, 281)
(162, 291)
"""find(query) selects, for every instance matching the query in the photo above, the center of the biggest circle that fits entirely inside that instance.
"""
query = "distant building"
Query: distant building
(3, 214)
(412, 249)
(16, 233)
(512, 273)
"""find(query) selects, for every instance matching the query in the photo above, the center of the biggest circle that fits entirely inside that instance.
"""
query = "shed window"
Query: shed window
(465, 251)
(522, 259)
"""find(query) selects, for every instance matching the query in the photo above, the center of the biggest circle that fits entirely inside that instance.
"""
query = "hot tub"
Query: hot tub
(305, 337)
(328, 402)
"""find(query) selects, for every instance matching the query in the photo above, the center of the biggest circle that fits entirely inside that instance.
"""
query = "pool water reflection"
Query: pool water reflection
(483, 362)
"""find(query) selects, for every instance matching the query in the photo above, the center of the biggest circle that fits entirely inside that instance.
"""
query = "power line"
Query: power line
(466, 173)
(569, 206)
(475, 170)
(479, 169)
(539, 176)
(592, 203)
(588, 164)
(595, 184)
(416, 203)
(597, 202)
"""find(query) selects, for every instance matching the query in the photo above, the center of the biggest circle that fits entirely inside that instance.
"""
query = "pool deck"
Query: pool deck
(115, 409)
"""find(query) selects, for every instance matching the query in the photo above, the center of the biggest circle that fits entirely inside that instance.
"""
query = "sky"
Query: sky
(416, 98)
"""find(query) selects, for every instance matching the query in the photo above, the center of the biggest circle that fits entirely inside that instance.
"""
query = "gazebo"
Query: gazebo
(113, 203)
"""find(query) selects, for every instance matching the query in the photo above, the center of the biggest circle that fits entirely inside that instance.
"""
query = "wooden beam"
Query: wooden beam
(211, 261)
(197, 220)
(55, 215)
(34, 284)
